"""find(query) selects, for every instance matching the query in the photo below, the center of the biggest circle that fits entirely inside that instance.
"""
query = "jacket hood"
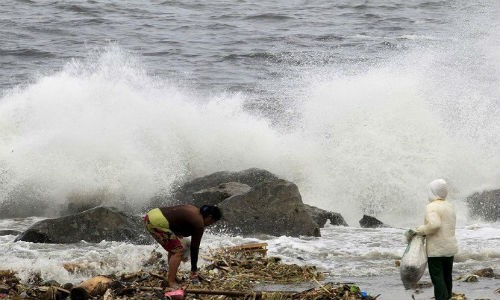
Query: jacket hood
(438, 189)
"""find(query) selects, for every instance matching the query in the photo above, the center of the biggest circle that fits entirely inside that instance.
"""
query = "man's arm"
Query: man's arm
(195, 247)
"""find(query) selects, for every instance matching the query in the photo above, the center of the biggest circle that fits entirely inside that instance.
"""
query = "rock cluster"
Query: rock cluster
(253, 202)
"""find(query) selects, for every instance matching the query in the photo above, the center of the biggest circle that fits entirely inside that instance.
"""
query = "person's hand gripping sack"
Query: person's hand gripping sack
(409, 234)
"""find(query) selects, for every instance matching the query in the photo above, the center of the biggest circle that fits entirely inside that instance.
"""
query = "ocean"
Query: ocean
(360, 103)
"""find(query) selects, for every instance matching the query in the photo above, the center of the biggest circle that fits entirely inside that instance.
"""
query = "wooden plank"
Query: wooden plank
(248, 247)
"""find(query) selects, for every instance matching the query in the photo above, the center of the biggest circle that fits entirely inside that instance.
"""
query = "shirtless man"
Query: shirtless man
(168, 225)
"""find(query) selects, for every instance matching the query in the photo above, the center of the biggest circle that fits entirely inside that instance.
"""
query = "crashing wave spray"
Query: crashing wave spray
(102, 128)
(367, 142)
(390, 130)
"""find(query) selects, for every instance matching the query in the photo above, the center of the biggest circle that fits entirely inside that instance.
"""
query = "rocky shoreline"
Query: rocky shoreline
(254, 202)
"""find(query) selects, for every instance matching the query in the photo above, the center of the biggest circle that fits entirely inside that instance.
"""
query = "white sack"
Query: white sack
(413, 262)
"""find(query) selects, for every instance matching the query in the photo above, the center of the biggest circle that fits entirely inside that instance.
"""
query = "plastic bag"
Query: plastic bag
(175, 295)
(413, 262)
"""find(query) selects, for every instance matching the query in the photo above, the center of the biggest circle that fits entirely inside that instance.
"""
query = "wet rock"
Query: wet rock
(253, 201)
(215, 195)
(370, 222)
(271, 207)
(320, 216)
(485, 205)
(486, 272)
(94, 225)
(250, 177)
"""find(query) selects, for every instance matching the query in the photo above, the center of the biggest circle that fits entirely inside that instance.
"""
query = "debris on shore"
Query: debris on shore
(230, 273)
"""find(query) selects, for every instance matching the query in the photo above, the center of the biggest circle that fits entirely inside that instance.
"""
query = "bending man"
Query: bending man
(168, 225)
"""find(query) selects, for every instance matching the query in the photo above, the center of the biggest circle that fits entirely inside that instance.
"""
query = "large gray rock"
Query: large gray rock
(371, 222)
(250, 177)
(271, 207)
(215, 195)
(93, 225)
(485, 205)
(320, 216)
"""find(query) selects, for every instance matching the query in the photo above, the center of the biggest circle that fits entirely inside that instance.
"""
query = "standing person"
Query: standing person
(439, 231)
(168, 225)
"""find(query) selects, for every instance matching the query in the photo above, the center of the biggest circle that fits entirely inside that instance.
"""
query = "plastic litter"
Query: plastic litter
(175, 295)
(413, 262)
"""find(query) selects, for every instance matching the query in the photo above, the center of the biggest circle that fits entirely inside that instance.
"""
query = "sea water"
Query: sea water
(359, 103)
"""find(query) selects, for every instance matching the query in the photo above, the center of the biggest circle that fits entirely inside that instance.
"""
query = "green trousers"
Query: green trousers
(440, 269)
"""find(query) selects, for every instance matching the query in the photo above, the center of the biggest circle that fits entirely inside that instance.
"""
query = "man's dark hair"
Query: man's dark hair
(211, 210)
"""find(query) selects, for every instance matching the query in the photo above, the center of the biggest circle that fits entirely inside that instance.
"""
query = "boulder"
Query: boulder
(485, 205)
(271, 207)
(250, 177)
(215, 195)
(370, 222)
(486, 272)
(320, 216)
(93, 225)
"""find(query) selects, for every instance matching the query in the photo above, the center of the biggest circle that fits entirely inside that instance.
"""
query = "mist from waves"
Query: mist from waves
(358, 140)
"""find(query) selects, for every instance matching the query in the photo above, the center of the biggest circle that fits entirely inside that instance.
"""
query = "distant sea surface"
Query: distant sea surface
(360, 103)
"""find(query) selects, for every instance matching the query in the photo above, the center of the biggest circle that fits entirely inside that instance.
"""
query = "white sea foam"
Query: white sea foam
(364, 143)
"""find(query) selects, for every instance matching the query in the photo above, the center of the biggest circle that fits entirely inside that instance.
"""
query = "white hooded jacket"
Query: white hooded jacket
(439, 223)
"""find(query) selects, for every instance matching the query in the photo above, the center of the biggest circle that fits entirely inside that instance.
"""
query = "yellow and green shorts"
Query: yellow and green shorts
(158, 227)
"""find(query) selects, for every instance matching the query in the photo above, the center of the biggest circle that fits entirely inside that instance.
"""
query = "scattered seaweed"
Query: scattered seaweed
(230, 273)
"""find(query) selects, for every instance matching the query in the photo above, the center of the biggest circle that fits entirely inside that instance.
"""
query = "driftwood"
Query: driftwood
(260, 248)
(95, 286)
